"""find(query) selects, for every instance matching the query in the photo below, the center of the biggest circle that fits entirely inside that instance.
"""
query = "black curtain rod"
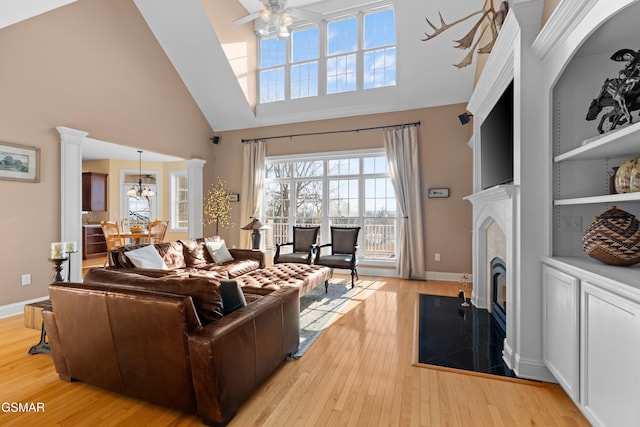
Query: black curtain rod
(331, 131)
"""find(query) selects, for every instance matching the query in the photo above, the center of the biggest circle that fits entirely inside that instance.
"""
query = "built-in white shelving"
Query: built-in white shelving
(623, 142)
(608, 198)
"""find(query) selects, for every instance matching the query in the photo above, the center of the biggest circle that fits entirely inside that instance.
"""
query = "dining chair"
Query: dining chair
(344, 247)
(304, 239)
(157, 230)
(112, 237)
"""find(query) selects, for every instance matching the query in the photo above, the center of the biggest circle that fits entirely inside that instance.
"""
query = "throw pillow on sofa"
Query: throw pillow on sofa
(146, 257)
(203, 292)
(194, 251)
(219, 252)
(232, 296)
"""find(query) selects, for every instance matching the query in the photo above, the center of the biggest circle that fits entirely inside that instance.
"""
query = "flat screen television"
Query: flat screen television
(496, 154)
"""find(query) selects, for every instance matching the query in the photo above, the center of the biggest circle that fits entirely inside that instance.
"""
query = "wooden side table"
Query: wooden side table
(43, 344)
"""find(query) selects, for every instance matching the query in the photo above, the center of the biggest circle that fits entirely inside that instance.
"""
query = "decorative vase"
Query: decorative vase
(613, 238)
(628, 176)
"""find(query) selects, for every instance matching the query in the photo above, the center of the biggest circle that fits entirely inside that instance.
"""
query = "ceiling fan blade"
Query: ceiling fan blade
(248, 18)
(306, 14)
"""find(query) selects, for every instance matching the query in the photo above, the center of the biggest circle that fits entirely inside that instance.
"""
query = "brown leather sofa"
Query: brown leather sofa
(166, 341)
(190, 257)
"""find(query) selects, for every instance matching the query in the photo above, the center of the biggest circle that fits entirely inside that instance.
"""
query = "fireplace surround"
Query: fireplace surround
(499, 292)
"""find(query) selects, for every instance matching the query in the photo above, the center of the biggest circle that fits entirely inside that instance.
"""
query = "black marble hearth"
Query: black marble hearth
(454, 336)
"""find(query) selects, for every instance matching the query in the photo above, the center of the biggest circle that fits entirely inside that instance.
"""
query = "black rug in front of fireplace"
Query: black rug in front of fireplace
(454, 336)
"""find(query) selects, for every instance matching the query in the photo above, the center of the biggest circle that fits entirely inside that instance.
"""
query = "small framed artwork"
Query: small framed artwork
(234, 197)
(19, 162)
(435, 193)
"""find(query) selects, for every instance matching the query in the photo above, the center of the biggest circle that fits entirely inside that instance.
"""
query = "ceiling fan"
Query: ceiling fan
(276, 15)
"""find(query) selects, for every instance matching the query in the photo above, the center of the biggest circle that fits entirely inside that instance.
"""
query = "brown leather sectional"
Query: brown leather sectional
(189, 258)
(161, 336)
(169, 348)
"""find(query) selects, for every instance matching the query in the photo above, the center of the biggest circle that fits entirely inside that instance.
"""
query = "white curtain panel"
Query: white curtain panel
(401, 145)
(252, 186)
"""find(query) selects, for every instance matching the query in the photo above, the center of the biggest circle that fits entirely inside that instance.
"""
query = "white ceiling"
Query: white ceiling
(425, 72)
(94, 149)
(426, 76)
(12, 11)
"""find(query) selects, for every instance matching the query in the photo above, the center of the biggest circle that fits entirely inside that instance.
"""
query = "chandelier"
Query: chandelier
(138, 191)
(276, 15)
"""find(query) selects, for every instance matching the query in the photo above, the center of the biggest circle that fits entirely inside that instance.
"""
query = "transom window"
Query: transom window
(344, 54)
(340, 189)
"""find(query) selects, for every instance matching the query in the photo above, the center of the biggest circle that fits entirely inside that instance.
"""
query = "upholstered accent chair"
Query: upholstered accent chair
(344, 245)
(304, 240)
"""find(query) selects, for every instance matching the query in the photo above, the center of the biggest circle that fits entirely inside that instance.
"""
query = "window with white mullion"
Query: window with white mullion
(379, 48)
(273, 58)
(342, 48)
(359, 57)
(304, 70)
(349, 189)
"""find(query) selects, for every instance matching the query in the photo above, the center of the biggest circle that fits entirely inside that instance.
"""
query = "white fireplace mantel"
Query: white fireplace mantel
(497, 204)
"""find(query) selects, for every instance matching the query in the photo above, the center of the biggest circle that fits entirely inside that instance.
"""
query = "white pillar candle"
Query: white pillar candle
(70, 247)
(57, 250)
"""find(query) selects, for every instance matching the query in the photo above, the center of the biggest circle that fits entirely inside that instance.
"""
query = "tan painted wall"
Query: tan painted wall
(445, 161)
(93, 65)
(238, 42)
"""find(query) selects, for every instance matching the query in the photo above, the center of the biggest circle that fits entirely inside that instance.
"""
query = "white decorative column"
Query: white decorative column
(195, 196)
(71, 194)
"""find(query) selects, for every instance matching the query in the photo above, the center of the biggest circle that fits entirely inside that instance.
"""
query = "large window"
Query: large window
(345, 53)
(341, 189)
(179, 219)
(272, 60)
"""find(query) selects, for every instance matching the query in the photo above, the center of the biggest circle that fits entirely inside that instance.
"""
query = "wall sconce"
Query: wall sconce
(465, 118)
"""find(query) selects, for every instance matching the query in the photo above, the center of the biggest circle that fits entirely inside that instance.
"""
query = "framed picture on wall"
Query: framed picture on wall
(19, 162)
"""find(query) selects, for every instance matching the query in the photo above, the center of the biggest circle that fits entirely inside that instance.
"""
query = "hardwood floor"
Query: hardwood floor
(360, 372)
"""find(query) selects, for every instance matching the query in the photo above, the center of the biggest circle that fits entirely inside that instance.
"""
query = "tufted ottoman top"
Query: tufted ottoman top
(302, 276)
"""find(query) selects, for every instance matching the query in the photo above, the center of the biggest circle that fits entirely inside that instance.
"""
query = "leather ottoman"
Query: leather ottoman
(302, 276)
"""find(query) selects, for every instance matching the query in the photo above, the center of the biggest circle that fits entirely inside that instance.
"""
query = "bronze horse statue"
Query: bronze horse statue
(617, 115)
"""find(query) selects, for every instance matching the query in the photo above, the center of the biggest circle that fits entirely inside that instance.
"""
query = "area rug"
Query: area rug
(461, 337)
(318, 310)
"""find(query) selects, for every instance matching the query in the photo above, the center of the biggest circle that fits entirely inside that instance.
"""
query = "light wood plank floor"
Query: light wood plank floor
(360, 372)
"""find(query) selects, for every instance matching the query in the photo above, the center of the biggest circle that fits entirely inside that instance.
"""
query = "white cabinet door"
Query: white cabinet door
(561, 328)
(610, 347)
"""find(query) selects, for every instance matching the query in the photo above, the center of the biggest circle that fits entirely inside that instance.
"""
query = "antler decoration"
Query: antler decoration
(490, 17)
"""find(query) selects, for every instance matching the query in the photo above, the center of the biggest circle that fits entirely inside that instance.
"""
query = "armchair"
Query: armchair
(344, 245)
(112, 236)
(157, 230)
(304, 239)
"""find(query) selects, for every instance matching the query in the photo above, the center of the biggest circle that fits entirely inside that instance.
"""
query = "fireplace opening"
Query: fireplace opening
(499, 292)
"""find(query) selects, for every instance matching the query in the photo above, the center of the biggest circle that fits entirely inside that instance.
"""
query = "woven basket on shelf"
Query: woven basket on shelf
(613, 238)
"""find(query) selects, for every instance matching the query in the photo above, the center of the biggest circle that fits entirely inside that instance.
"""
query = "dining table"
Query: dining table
(135, 236)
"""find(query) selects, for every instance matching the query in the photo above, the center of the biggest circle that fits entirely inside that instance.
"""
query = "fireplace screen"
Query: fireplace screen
(499, 291)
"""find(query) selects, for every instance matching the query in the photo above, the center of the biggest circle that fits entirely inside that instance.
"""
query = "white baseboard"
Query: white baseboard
(447, 277)
(532, 370)
(18, 307)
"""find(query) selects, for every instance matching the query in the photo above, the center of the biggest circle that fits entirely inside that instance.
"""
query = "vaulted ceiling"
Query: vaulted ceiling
(426, 76)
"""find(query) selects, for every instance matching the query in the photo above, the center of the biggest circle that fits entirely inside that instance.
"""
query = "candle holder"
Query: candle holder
(57, 267)
(69, 265)
(464, 282)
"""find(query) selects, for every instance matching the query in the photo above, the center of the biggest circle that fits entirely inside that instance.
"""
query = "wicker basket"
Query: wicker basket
(613, 238)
